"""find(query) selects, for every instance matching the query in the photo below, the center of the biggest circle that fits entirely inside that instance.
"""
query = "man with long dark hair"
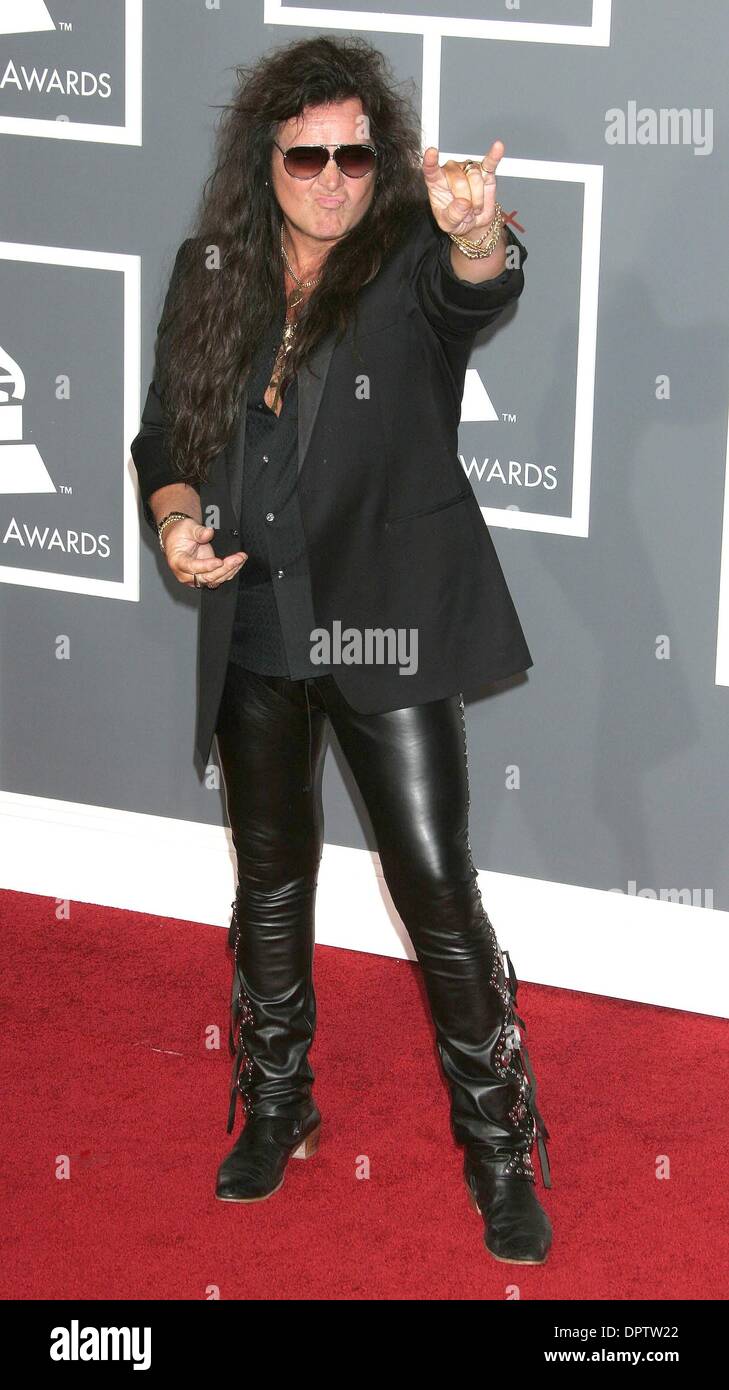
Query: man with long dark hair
(300, 438)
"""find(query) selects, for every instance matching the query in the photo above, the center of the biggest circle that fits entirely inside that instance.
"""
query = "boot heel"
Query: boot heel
(472, 1199)
(309, 1145)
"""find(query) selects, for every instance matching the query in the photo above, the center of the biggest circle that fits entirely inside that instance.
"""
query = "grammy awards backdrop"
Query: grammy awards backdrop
(593, 434)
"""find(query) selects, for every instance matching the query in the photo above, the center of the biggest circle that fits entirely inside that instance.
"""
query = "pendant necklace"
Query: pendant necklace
(287, 341)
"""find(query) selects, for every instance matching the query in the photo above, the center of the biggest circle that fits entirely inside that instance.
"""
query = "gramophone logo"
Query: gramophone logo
(24, 17)
(21, 467)
(476, 403)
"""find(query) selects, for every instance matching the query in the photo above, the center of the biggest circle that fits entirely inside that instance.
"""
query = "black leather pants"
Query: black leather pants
(411, 768)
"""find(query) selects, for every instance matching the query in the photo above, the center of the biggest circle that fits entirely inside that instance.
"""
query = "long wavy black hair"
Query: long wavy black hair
(212, 322)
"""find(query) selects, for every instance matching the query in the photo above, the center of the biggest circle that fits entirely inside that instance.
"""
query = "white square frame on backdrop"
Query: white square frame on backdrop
(596, 33)
(591, 177)
(722, 637)
(130, 133)
(130, 267)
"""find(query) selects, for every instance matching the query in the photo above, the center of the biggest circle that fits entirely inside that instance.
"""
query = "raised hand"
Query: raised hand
(463, 201)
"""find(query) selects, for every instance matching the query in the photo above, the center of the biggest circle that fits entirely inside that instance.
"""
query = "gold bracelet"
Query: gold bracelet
(167, 520)
(475, 250)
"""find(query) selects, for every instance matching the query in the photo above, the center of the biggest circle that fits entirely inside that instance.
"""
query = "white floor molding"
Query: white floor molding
(558, 934)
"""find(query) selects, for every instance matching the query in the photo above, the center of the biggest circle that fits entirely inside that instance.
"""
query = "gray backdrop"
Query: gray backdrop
(613, 550)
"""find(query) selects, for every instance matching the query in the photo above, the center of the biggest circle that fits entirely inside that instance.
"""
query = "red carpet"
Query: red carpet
(105, 1061)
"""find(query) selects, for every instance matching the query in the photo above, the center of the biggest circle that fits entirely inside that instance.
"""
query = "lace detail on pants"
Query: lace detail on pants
(511, 1058)
(241, 1016)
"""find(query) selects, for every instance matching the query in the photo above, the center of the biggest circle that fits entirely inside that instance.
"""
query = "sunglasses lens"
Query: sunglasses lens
(305, 162)
(355, 160)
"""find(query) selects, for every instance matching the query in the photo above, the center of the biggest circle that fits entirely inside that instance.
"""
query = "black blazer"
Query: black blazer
(395, 535)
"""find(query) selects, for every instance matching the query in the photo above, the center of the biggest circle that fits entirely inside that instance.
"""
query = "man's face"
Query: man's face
(329, 205)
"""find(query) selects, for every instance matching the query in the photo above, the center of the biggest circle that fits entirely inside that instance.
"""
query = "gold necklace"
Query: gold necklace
(289, 332)
(301, 285)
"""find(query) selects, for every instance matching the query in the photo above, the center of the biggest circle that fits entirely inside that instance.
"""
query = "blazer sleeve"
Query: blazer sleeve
(456, 308)
(148, 448)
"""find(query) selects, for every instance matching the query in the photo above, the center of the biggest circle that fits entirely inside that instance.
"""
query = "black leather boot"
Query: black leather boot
(254, 1169)
(499, 1176)
(271, 1072)
(517, 1228)
(493, 1093)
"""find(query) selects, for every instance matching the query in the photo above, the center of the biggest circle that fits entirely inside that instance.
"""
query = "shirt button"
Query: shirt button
(269, 516)
(279, 574)
(265, 458)
(233, 531)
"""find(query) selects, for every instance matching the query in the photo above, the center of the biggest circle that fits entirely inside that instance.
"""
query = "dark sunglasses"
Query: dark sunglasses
(306, 161)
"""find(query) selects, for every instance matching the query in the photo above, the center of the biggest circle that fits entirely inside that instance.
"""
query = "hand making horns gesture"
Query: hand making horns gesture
(463, 200)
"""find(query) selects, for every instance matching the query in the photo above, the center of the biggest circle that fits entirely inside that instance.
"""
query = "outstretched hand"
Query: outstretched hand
(189, 552)
(462, 202)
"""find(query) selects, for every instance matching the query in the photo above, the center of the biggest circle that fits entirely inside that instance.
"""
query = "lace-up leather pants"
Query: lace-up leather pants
(410, 766)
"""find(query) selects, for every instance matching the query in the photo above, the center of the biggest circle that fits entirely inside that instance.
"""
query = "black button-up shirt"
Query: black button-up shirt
(274, 615)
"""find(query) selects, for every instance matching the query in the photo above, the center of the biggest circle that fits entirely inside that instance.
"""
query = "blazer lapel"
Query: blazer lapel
(310, 392)
(234, 456)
